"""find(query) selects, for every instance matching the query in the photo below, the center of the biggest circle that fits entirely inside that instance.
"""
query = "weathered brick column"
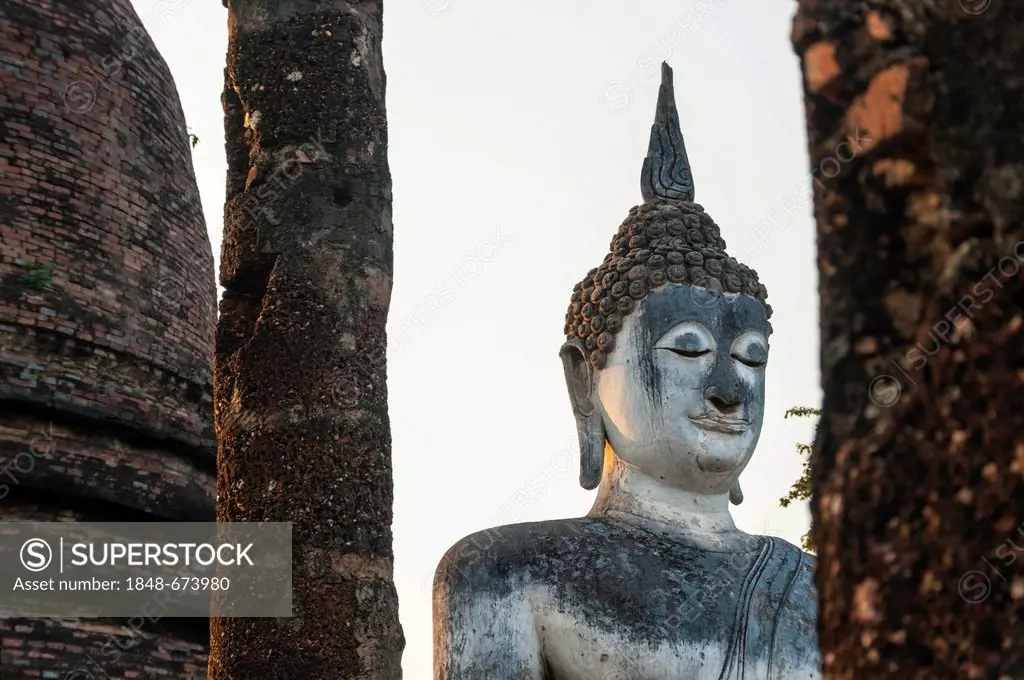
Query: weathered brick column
(107, 311)
(918, 470)
(300, 387)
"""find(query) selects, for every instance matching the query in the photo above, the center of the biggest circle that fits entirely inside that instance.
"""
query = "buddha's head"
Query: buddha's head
(667, 339)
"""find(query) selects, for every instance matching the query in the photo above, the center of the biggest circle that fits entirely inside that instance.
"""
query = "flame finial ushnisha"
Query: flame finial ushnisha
(666, 172)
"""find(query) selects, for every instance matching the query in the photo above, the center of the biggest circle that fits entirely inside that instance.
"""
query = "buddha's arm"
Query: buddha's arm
(479, 635)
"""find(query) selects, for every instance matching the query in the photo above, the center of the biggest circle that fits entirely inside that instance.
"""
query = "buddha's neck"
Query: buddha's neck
(633, 498)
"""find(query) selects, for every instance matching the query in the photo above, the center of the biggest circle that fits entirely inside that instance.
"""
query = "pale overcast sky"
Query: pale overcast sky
(517, 132)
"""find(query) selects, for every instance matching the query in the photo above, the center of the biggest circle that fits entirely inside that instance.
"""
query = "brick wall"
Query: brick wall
(96, 181)
(144, 646)
(107, 308)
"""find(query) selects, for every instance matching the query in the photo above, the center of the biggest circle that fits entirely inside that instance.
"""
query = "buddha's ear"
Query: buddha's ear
(736, 493)
(579, 378)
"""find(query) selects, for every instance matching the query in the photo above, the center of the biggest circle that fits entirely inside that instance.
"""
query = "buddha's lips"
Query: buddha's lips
(710, 421)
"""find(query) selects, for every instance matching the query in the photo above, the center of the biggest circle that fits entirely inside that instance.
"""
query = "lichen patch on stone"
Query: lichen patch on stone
(820, 65)
(878, 28)
(879, 111)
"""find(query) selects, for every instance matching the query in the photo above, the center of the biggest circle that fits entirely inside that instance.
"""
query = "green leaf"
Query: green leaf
(37, 275)
(802, 412)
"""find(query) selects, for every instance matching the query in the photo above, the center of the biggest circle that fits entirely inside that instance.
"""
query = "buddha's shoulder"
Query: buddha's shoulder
(511, 551)
(805, 563)
(802, 599)
(788, 550)
(798, 618)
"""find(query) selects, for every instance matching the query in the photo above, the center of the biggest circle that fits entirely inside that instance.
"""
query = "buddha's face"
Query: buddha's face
(682, 393)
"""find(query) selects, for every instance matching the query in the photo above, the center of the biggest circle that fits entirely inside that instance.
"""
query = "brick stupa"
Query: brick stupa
(107, 313)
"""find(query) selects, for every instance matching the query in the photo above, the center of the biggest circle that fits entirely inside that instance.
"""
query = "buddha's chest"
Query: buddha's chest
(656, 617)
(656, 597)
(673, 631)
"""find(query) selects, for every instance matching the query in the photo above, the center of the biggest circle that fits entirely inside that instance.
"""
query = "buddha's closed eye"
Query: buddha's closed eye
(690, 345)
(748, 361)
(750, 351)
(688, 353)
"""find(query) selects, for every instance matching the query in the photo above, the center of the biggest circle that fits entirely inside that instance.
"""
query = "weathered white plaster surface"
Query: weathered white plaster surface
(656, 582)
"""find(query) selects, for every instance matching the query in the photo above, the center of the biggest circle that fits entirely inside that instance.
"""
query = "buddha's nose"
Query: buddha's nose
(724, 401)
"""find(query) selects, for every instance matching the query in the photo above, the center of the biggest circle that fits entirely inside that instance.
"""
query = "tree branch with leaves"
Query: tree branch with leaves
(801, 489)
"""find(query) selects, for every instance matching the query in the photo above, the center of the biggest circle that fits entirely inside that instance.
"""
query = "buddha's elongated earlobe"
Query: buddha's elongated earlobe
(579, 377)
(736, 493)
(592, 440)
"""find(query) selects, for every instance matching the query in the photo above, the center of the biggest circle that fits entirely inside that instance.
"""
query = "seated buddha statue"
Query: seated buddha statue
(667, 343)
